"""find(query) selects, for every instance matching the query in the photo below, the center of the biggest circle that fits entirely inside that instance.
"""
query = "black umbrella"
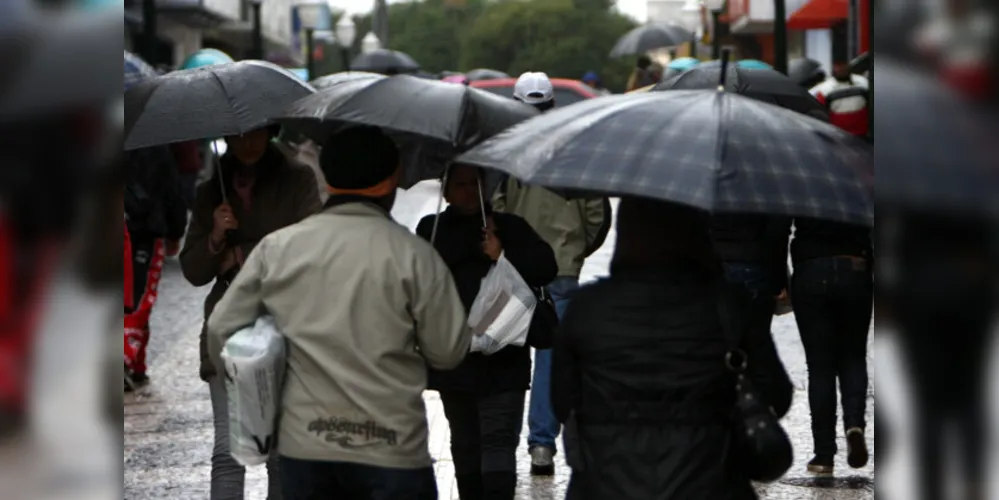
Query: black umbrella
(325, 82)
(432, 121)
(761, 84)
(208, 102)
(384, 61)
(650, 37)
(57, 61)
(717, 151)
(485, 74)
(805, 72)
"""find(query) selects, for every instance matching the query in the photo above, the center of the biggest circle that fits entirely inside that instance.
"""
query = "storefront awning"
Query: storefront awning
(819, 14)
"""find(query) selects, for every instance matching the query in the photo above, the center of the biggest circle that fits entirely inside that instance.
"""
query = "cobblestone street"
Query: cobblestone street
(168, 424)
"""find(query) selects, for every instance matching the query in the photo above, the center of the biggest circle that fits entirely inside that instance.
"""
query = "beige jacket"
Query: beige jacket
(574, 228)
(365, 306)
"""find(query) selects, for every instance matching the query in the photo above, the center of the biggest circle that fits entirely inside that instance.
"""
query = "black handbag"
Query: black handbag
(763, 446)
(541, 334)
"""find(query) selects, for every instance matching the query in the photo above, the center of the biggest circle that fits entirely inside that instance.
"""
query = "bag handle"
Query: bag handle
(731, 315)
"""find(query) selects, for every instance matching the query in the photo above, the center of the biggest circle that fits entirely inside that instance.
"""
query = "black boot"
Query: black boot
(499, 485)
(469, 486)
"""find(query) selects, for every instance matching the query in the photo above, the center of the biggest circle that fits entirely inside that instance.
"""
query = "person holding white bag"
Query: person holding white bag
(484, 396)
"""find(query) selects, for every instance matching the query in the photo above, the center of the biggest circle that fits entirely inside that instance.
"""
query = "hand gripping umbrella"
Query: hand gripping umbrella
(432, 121)
(709, 149)
(208, 102)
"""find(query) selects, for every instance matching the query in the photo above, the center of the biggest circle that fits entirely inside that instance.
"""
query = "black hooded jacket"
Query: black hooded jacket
(459, 242)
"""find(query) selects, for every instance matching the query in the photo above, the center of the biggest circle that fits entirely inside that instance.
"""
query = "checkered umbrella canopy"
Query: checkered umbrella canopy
(136, 70)
(717, 151)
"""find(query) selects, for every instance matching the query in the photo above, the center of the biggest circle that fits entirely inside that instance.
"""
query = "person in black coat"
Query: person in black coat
(833, 295)
(639, 372)
(484, 397)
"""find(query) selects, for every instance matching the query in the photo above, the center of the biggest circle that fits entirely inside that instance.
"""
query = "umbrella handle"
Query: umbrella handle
(725, 55)
(218, 169)
(440, 203)
(482, 200)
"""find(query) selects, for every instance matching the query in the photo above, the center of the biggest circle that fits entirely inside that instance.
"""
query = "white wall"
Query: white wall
(664, 11)
(186, 40)
(229, 8)
(818, 46)
(277, 20)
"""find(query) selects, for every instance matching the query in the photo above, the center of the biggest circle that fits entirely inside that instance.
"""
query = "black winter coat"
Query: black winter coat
(154, 202)
(459, 242)
(639, 362)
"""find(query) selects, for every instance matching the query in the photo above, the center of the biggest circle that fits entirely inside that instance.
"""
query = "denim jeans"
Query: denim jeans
(228, 477)
(833, 298)
(314, 480)
(541, 422)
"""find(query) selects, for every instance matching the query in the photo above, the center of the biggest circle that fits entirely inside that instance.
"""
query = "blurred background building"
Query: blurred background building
(748, 27)
(186, 26)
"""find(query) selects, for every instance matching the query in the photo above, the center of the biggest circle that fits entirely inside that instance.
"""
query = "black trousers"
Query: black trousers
(313, 480)
(485, 432)
(833, 300)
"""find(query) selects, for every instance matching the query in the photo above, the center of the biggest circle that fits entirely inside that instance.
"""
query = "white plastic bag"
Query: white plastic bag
(254, 360)
(502, 311)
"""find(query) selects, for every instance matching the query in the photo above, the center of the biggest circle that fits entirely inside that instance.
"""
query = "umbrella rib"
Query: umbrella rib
(720, 98)
(228, 99)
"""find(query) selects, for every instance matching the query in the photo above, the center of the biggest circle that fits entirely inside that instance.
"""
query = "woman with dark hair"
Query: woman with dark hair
(484, 396)
(259, 191)
(639, 368)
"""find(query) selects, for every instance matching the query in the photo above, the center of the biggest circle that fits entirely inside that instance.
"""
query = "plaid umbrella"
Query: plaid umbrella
(136, 70)
(761, 84)
(717, 151)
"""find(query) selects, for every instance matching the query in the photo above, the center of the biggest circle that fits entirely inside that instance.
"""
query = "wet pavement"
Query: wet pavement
(168, 424)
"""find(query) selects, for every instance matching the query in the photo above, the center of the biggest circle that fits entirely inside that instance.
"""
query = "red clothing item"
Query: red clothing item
(847, 103)
(137, 322)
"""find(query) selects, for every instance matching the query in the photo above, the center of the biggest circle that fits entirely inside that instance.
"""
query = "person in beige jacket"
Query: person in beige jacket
(365, 306)
(574, 229)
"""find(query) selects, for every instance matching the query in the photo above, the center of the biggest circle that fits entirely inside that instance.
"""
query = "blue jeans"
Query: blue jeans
(313, 480)
(544, 427)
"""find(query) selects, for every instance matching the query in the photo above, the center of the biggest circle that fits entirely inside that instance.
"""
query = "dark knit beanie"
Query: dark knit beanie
(358, 157)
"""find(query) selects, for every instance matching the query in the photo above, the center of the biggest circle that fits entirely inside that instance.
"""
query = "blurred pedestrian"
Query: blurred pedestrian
(833, 294)
(845, 96)
(156, 216)
(592, 79)
(256, 191)
(365, 307)
(640, 76)
(484, 396)
(574, 229)
(639, 367)
(189, 165)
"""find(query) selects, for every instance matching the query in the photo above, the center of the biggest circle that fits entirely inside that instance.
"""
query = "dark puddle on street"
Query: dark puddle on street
(838, 483)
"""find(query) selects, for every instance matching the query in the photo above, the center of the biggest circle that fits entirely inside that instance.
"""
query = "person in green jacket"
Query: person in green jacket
(575, 229)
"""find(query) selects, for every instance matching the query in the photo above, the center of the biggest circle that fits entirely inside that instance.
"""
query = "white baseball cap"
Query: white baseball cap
(534, 88)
